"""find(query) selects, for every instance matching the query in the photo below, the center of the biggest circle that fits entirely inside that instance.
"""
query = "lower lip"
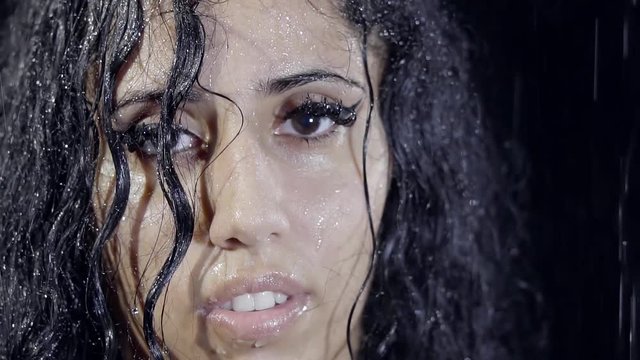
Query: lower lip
(259, 325)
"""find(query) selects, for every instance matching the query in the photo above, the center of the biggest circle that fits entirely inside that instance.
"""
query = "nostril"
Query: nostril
(231, 244)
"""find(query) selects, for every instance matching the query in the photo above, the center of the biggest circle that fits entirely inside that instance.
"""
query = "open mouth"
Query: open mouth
(255, 301)
(256, 309)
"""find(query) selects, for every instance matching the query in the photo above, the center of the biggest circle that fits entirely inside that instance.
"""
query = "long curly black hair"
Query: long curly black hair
(449, 278)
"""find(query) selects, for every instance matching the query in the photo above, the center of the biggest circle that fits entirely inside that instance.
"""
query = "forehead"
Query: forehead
(278, 25)
(248, 40)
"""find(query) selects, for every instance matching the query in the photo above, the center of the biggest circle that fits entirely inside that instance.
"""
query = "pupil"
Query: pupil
(306, 124)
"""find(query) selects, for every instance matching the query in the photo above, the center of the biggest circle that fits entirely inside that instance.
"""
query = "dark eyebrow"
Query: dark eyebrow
(271, 87)
(280, 85)
(155, 95)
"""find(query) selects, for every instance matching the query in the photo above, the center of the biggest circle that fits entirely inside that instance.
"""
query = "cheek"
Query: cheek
(146, 230)
(141, 179)
(143, 236)
(329, 212)
(329, 223)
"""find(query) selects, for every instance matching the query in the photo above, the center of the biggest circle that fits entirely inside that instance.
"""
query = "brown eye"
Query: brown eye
(313, 120)
(306, 126)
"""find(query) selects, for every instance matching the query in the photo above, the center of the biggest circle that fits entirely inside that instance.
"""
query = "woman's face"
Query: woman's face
(281, 243)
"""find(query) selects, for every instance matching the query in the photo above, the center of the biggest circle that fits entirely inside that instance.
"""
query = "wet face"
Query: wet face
(281, 243)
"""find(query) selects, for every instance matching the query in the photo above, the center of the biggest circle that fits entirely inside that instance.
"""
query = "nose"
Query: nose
(247, 197)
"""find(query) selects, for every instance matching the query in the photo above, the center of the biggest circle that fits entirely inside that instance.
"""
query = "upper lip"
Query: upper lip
(280, 282)
(255, 325)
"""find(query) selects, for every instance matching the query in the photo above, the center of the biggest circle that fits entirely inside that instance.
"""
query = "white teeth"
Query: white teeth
(280, 298)
(243, 303)
(256, 301)
(264, 300)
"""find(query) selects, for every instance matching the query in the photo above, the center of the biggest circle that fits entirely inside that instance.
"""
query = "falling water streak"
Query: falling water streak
(625, 37)
(632, 326)
(596, 60)
(628, 267)
(628, 301)
(634, 351)
(622, 258)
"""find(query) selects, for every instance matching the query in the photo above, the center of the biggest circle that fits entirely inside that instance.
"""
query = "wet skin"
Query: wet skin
(278, 196)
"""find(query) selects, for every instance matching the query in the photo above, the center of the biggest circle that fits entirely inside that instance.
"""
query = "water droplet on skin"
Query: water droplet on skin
(135, 311)
(319, 230)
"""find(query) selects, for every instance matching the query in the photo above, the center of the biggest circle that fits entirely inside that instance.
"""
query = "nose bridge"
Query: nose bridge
(240, 188)
(245, 196)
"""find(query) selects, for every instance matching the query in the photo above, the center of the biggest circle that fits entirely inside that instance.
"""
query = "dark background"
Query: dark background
(560, 80)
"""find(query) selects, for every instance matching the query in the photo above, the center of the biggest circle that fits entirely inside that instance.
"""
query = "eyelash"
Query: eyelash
(143, 136)
(338, 114)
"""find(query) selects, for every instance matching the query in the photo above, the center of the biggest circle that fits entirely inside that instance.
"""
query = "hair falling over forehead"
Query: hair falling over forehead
(448, 281)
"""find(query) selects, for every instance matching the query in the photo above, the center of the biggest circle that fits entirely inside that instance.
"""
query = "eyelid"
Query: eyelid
(149, 112)
(132, 114)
